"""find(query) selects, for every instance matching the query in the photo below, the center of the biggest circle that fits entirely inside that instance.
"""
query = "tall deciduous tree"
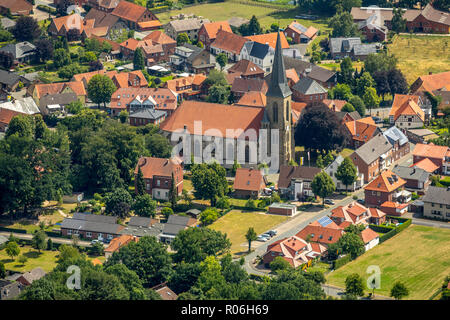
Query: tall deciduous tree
(222, 60)
(44, 49)
(399, 290)
(138, 59)
(140, 183)
(12, 249)
(144, 206)
(209, 181)
(39, 240)
(346, 172)
(100, 88)
(118, 202)
(343, 25)
(322, 186)
(354, 285)
(398, 23)
(358, 103)
(26, 29)
(250, 236)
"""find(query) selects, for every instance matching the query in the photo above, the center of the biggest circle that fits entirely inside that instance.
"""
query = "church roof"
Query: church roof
(278, 86)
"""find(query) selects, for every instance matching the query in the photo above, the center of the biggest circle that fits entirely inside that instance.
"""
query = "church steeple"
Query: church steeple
(278, 86)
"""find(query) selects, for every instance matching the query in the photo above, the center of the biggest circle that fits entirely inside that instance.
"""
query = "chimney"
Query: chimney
(430, 73)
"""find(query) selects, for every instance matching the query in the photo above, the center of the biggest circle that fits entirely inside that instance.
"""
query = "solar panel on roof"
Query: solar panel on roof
(324, 221)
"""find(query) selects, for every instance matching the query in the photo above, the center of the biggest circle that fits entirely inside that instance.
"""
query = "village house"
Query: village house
(246, 69)
(229, 43)
(431, 83)
(158, 174)
(361, 131)
(398, 141)
(345, 117)
(356, 214)
(25, 106)
(427, 165)
(341, 48)
(103, 5)
(153, 52)
(439, 155)
(142, 226)
(174, 225)
(326, 78)
(260, 54)
(336, 105)
(6, 116)
(21, 52)
(133, 99)
(187, 87)
(323, 231)
(91, 226)
(417, 179)
(133, 79)
(9, 289)
(10, 81)
(436, 203)
(16, 7)
(112, 26)
(189, 26)
(208, 32)
(299, 33)
(294, 250)
(39, 91)
(241, 86)
(27, 278)
(249, 183)
(136, 17)
(308, 90)
(192, 59)
(420, 135)
(370, 238)
(331, 170)
(252, 99)
(270, 39)
(294, 182)
(168, 44)
(144, 116)
(117, 243)
(408, 115)
(372, 30)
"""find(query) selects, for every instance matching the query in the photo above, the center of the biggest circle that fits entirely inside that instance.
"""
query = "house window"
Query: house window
(88, 234)
(69, 232)
(109, 236)
(158, 183)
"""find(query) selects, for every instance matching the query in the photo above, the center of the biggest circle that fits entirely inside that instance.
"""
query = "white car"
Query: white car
(262, 239)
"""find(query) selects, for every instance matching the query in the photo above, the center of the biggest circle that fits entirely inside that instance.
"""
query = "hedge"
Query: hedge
(247, 208)
(401, 220)
(382, 229)
(341, 261)
(395, 231)
(53, 234)
(13, 230)
(46, 8)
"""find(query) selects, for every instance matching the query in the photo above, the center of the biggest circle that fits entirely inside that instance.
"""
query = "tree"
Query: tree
(49, 244)
(2, 270)
(379, 62)
(208, 216)
(6, 60)
(222, 60)
(158, 145)
(73, 35)
(398, 24)
(382, 83)
(250, 204)
(138, 59)
(123, 116)
(371, 98)
(182, 38)
(354, 285)
(251, 28)
(279, 264)
(218, 94)
(61, 58)
(118, 202)
(343, 26)
(148, 258)
(20, 125)
(341, 91)
(5, 35)
(184, 277)
(322, 186)
(144, 206)
(129, 279)
(397, 82)
(329, 131)
(12, 249)
(358, 104)
(95, 65)
(347, 172)
(195, 244)
(223, 203)
(250, 236)
(215, 77)
(363, 83)
(399, 290)
(100, 88)
(173, 193)
(211, 278)
(348, 107)
(345, 75)
(351, 243)
(44, 49)
(97, 249)
(68, 253)
(140, 183)
(166, 212)
(68, 71)
(26, 29)
(209, 181)
(39, 240)
(442, 5)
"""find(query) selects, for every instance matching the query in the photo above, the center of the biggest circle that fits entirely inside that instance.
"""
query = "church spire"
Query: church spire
(278, 86)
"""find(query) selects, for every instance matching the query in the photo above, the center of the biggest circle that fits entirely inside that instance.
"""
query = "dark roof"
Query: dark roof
(140, 231)
(308, 86)
(308, 69)
(354, 114)
(19, 50)
(172, 229)
(346, 45)
(278, 85)
(437, 195)
(94, 217)
(91, 226)
(102, 19)
(9, 78)
(148, 113)
(287, 173)
(248, 84)
(140, 221)
(411, 173)
(9, 290)
(179, 220)
(58, 98)
(259, 50)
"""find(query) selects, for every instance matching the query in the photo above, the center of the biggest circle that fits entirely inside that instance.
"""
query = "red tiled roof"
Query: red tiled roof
(156, 166)
(430, 151)
(252, 99)
(409, 108)
(270, 39)
(246, 68)
(400, 99)
(362, 129)
(149, 24)
(6, 115)
(164, 98)
(426, 164)
(212, 28)
(54, 88)
(368, 235)
(317, 233)
(159, 37)
(249, 180)
(228, 41)
(382, 183)
(433, 82)
(129, 11)
(119, 242)
(335, 105)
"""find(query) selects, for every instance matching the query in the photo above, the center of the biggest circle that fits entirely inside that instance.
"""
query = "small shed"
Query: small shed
(284, 209)
(74, 197)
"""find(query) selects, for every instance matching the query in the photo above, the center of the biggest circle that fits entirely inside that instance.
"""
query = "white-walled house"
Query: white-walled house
(260, 54)
(331, 170)
(370, 238)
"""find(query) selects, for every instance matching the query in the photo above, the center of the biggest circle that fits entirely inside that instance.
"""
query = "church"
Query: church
(202, 131)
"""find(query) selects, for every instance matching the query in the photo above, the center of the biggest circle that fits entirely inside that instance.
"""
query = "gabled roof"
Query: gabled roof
(373, 149)
(292, 75)
(436, 15)
(148, 113)
(387, 181)
(288, 173)
(430, 151)
(411, 173)
(17, 6)
(119, 242)
(335, 104)
(248, 179)
(258, 50)
(25, 105)
(88, 75)
(317, 233)
(6, 115)
(160, 37)
(308, 86)
(101, 18)
(228, 41)
(426, 164)
(249, 84)
(212, 28)
(9, 78)
(270, 39)
(300, 29)
(246, 68)
(187, 24)
(394, 135)
(308, 69)
(437, 195)
(252, 99)
(163, 98)
(409, 108)
(19, 50)
(368, 235)
(151, 166)
(433, 82)
(362, 129)
(129, 11)
(400, 99)
(213, 116)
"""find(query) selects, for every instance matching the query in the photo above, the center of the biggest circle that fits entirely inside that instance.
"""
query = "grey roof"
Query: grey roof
(140, 221)
(289, 173)
(9, 290)
(343, 44)
(364, 49)
(91, 226)
(7, 23)
(336, 161)
(373, 149)
(172, 229)
(148, 113)
(354, 114)
(437, 195)
(34, 274)
(278, 85)
(94, 217)
(25, 105)
(20, 50)
(58, 98)
(411, 173)
(309, 86)
(259, 50)
(136, 231)
(372, 23)
(393, 134)
(308, 69)
(421, 132)
(187, 24)
(3, 239)
(177, 219)
(9, 78)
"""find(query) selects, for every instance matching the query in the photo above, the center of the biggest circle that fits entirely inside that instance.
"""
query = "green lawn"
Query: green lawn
(236, 223)
(418, 256)
(419, 55)
(46, 260)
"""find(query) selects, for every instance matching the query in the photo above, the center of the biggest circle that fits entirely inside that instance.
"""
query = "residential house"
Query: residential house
(299, 33)
(168, 44)
(260, 54)
(417, 179)
(292, 77)
(346, 116)
(308, 90)
(326, 78)
(165, 292)
(361, 131)
(91, 226)
(331, 170)
(38, 91)
(370, 238)
(136, 17)
(7, 23)
(294, 182)
(142, 226)
(153, 52)
(174, 225)
(133, 79)
(249, 183)
(356, 214)
(323, 231)
(25, 106)
(133, 99)
(436, 203)
(200, 62)
(57, 99)
(294, 250)
(399, 142)
(16, 7)
(117, 243)
(252, 99)
(430, 83)
(189, 26)
(187, 87)
(408, 115)
(115, 49)
(27, 278)
(270, 39)
(427, 165)
(146, 116)
(22, 51)
(387, 192)
(373, 157)
(179, 59)
(246, 69)
(113, 27)
(373, 30)
(6, 116)
(158, 174)
(208, 32)
(439, 155)
(336, 105)
(10, 81)
(241, 86)
(403, 101)
(350, 47)
(103, 5)
(9, 289)
(284, 209)
(229, 43)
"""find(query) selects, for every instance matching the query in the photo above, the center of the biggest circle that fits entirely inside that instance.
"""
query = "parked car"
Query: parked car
(377, 119)
(266, 235)
(272, 232)
(95, 241)
(360, 201)
(329, 201)
(262, 239)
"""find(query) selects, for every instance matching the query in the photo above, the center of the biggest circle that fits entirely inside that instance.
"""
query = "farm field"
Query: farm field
(236, 223)
(419, 55)
(418, 257)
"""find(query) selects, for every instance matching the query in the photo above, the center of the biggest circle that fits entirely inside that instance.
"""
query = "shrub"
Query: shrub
(341, 261)
(279, 264)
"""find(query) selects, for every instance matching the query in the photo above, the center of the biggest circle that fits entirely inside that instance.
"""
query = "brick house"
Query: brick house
(398, 141)
(136, 16)
(248, 183)
(323, 231)
(241, 86)
(436, 203)
(16, 7)
(387, 187)
(6, 116)
(157, 174)
(228, 43)
(295, 181)
(188, 87)
(117, 243)
(408, 116)
(189, 26)
(309, 91)
(373, 31)
(246, 69)
(356, 214)
(168, 44)
(153, 52)
(299, 33)
(144, 116)
(208, 32)
(361, 131)
(439, 155)
(417, 179)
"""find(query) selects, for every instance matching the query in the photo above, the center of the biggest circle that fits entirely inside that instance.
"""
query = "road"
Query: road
(27, 236)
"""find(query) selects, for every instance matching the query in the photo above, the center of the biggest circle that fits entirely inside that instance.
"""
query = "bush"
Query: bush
(279, 264)
(341, 261)
(382, 229)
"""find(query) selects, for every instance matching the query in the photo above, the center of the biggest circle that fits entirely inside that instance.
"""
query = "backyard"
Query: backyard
(419, 55)
(236, 223)
(46, 260)
(418, 256)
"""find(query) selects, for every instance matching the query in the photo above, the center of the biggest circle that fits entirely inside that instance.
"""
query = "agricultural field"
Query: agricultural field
(419, 55)
(236, 223)
(418, 256)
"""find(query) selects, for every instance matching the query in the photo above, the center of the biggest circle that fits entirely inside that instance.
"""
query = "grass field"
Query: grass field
(46, 260)
(419, 55)
(418, 257)
(236, 223)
